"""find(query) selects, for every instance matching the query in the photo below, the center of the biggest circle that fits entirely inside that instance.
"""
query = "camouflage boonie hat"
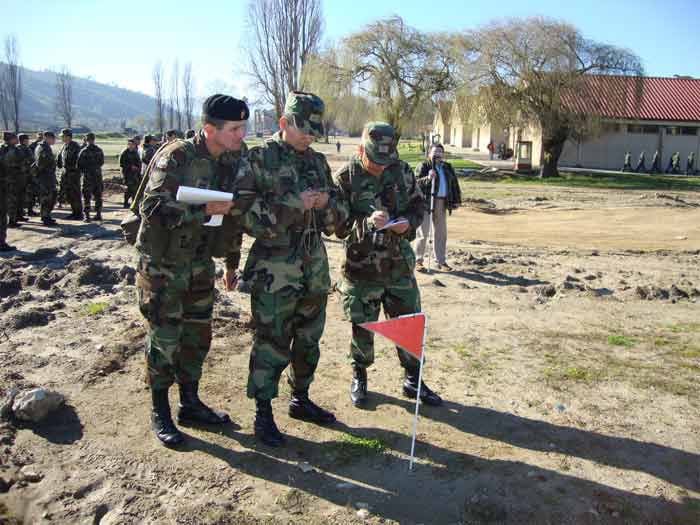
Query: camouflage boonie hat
(379, 141)
(305, 110)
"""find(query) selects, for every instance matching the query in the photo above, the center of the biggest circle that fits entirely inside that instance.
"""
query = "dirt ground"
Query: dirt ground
(566, 344)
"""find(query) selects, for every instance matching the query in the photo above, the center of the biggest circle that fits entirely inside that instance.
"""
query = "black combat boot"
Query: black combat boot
(126, 202)
(87, 217)
(22, 218)
(31, 212)
(193, 412)
(48, 221)
(98, 216)
(161, 420)
(265, 428)
(4, 247)
(301, 407)
(13, 224)
(358, 387)
(410, 388)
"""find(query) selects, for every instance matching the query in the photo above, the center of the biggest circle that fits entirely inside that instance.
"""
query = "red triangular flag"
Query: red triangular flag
(406, 331)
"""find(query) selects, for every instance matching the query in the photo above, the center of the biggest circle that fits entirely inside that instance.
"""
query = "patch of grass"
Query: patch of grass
(684, 328)
(353, 448)
(94, 309)
(621, 340)
(618, 181)
(555, 374)
(414, 156)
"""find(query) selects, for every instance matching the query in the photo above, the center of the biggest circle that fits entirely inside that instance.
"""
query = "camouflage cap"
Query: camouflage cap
(136, 137)
(305, 110)
(90, 136)
(67, 132)
(379, 141)
(49, 134)
(8, 135)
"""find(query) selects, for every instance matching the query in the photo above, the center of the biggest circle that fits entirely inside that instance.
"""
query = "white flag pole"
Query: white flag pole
(420, 383)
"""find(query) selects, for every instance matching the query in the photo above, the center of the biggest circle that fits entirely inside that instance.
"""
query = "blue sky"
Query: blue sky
(118, 42)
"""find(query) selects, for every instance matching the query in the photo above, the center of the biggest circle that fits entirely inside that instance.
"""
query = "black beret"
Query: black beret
(224, 107)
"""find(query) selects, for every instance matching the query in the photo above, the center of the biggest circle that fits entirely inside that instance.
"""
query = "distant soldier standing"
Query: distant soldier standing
(27, 159)
(149, 149)
(170, 135)
(641, 163)
(287, 265)
(628, 162)
(90, 161)
(69, 187)
(690, 166)
(12, 164)
(37, 141)
(130, 164)
(175, 279)
(378, 268)
(190, 133)
(45, 166)
(655, 163)
(4, 247)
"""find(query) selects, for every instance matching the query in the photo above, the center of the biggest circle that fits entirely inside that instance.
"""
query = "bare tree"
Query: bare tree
(64, 96)
(526, 71)
(188, 95)
(176, 94)
(4, 100)
(158, 93)
(400, 67)
(12, 81)
(282, 35)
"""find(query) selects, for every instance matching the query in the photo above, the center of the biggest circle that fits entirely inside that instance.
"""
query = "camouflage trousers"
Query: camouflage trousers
(177, 305)
(132, 181)
(288, 327)
(31, 193)
(47, 194)
(15, 196)
(92, 187)
(70, 191)
(362, 301)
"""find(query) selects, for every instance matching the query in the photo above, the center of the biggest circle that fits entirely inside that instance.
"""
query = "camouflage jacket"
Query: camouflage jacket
(147, 154)
(68, 156)
(26, 158)
(172, 234)
(91, 159)
(288, 251)
(44, 160)
(11, 161)
(3, 175)
(130, 162)
(378, 255)
(33, 145)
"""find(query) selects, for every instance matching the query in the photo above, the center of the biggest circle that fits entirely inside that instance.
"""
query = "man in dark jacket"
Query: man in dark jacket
(446, 196)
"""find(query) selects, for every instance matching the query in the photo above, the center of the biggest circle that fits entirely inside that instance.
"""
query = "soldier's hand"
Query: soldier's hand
(432, 174)
(400, 228)
(309, 198)
(379, 219)
(230, 279)
(218, 208)
(321, 200)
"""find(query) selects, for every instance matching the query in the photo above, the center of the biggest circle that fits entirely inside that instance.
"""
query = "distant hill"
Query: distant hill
(100, 107)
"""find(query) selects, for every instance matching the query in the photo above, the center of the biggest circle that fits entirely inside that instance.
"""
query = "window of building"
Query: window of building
(689, 130)
(642, 129)
(611, 127)
(673, 130)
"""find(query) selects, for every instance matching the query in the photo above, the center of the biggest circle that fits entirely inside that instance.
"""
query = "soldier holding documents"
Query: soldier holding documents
(175, 279)
(386, 208)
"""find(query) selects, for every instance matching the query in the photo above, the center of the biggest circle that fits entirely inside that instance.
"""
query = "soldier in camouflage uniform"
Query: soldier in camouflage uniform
(287, 265)
(379, 264)
(27, 159)
(4, 247)
(39, 138)
(12, 164)
(190, 133)
(45, 170)
(175, 279)
(90, 162)
(69, 187)
(130, 164)
(149, 149)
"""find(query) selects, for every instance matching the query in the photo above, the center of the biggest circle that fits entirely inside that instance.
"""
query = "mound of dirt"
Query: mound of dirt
(27, 318)
(84, 272)
(10, 282)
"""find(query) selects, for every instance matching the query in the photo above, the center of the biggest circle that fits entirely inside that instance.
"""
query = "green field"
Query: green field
(618, 181)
